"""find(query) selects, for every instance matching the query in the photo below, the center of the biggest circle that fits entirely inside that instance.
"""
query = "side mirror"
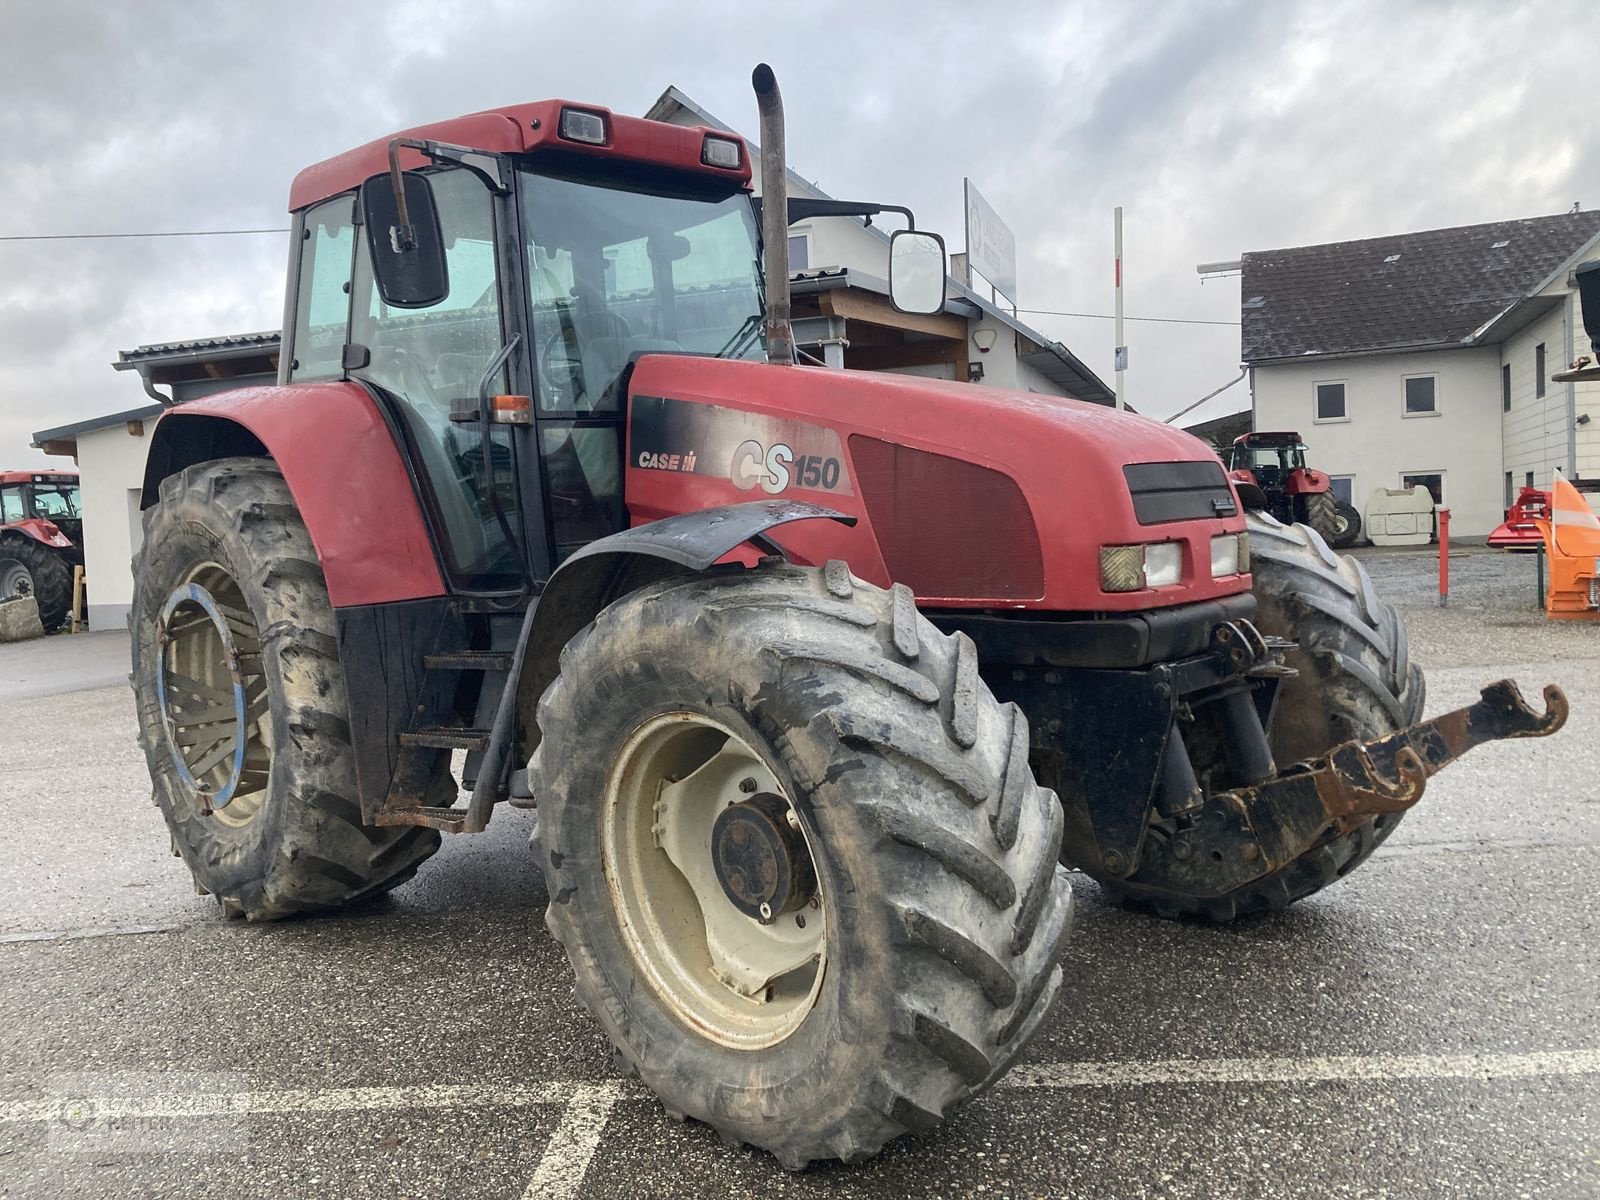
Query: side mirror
(916, 271)
(404, 241)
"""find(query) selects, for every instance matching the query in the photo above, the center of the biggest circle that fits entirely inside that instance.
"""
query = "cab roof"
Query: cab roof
(53, 475)
(525, 129)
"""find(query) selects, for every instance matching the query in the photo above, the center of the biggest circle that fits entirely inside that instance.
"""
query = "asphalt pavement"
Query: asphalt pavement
(1426, 1027)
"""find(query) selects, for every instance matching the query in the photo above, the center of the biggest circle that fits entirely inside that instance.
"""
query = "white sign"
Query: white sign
(991, 247)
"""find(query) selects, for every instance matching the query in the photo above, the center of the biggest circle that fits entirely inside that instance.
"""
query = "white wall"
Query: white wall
(111, 475)
(1377, 442)
(1537, 431)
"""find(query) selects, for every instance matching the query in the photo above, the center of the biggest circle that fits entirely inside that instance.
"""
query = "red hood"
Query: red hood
(1066, 456)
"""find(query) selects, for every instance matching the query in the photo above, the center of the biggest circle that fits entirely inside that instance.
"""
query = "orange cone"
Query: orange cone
(1572, 536)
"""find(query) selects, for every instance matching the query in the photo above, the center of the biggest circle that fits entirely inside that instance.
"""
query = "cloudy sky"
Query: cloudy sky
(1219, 127)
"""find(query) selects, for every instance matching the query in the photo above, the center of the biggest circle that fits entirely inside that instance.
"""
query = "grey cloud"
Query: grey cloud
(1219, 127)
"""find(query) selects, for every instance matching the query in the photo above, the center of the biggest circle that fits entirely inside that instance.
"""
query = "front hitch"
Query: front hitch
(1243, 834)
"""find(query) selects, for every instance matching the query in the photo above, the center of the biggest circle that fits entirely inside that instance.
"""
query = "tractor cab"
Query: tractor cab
(495, 298)
(1270, 457)
(34, 496)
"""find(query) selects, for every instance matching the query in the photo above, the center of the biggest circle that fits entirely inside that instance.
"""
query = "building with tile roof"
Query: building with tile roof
(1425, 358)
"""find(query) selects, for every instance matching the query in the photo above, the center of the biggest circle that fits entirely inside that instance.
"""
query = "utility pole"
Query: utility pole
(1122, 349)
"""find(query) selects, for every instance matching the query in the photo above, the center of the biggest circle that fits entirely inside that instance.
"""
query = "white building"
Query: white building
(1425, 358)
(110, 452)
(843, 315)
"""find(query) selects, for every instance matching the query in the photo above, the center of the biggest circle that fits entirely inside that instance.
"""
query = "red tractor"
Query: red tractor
(1271, 473)
(41, 540)
(819, 680)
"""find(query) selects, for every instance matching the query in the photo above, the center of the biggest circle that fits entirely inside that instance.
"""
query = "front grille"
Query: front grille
(947, 527)
(1180, 491)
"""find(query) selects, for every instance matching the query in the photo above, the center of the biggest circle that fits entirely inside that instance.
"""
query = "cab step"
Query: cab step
(446, 737)
(469, 660)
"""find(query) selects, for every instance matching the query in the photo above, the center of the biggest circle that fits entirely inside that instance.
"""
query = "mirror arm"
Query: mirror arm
(802, 207)
(405, 236)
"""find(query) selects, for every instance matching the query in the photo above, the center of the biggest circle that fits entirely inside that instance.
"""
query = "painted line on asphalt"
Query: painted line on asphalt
(566, 1156)
(587, 1107)
(598, 1098)
(72, 935)
(1381, 1068)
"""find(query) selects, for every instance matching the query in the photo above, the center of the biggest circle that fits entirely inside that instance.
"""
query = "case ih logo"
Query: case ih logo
(750, 450)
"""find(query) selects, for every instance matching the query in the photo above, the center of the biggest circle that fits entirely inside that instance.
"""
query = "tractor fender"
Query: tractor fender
(610, 567)
(40, 530)
(1307, 482)
(1251, 497)
(343, 466)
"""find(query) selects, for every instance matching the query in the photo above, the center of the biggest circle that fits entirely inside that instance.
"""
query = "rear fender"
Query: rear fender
(339, 457)
(1306, 482)
(38, 529)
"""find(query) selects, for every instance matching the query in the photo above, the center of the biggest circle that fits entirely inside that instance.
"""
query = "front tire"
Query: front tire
(940, 905)
(242, 705)
(1355, 681)
(1347, 526)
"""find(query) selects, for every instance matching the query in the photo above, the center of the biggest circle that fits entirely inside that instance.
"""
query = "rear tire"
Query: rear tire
(1321, 513)
(291, 838)
(1356, 680)
(25, 563)
(934, 851)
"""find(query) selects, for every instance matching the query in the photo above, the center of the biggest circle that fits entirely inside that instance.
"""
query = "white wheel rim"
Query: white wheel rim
(15, 579)
(740, 982)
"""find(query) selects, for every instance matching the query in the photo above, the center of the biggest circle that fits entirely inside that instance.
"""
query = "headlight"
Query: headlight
(720, 152)
(1131, 568)
(1226, 551)
(579, 126)
(1163, 564)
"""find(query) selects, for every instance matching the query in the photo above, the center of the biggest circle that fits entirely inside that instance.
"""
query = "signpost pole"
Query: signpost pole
(1122, 349)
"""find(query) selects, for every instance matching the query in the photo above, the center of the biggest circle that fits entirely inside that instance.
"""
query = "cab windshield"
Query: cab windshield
(614, 272)
(53, 500)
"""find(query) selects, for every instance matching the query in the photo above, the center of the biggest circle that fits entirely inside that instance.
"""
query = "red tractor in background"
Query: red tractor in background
(41, 540)
(1274, 464)
(818, 680)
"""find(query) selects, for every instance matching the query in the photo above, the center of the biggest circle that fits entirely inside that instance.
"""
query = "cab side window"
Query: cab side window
(10, 505)
(322, 309)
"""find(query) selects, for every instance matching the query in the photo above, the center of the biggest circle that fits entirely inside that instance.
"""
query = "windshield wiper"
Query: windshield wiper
(741, 336)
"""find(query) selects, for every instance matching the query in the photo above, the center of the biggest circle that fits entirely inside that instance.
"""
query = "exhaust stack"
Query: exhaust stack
(774, 216)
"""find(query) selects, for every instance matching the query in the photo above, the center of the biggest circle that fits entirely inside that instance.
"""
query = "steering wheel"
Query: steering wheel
(560, 361)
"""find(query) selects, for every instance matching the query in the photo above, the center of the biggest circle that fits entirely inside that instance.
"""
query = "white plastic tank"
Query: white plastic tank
(1400, 517)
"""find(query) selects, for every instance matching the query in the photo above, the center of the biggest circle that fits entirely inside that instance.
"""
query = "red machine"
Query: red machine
(1273, 467)
(816, 678)
(41, 539)
(1521, 530)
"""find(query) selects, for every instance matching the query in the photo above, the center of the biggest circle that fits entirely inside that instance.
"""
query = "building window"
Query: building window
(1510, 487)
(1530, 479)
(799, 251)
(1420, 398)
(1342, 487)
(1330, 402)
(1505, 387)
(1538, 369)
(1432, 480)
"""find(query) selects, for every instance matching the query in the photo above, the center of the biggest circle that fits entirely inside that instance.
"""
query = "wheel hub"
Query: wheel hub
(761, 859)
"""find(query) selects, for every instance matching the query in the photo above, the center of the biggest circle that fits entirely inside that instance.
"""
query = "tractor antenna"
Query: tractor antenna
(774, 216)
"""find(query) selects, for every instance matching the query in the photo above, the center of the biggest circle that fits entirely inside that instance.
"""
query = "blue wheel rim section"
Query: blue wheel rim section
(193, 593)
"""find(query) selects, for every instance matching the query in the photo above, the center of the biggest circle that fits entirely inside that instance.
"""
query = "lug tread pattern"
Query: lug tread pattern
(323, 856)
(972, 898)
